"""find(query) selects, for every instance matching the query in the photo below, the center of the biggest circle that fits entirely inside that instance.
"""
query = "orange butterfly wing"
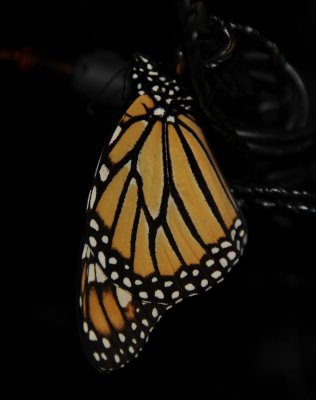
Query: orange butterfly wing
(162, 220)
(114, 326)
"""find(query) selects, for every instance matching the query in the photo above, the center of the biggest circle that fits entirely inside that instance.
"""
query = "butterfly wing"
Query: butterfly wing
(163, 223)
(114, 326)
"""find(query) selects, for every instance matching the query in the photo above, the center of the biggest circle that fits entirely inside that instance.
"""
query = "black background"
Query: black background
(253, 336)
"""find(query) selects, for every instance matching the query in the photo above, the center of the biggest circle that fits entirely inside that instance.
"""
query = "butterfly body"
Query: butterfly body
(162, 224)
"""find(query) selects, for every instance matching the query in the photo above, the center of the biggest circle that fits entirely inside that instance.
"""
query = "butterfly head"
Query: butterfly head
(166, 91)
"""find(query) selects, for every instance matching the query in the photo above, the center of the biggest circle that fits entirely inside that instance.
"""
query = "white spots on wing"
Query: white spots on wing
(138, 282)
(113, 260)
(126, 266)
(100, 276)
(80, 301)
(104, 172)
(210, 262)
(157, 98)
(94, 225)
(141, 92)
(105, 239)
(145, 322)
(133, 182)
(242, 233)
(153, 73)
(117, 358)
(159, 112)
(106, 343)
(121, 337)
(102, 259)
(225, 244)
(85, 327)
(162, 78)
(84, 251)
(233, 234)
(159, 294)
(114, 275)
(92, 241)
(183, 274)
(104, 356)
(154, 279)
(237, 223)
(96, 356)
(195, 272)
(204, 282)
(171, 92)
(143, 295)
(123, 296)
(134, 76)
(91, 273)
(134, 326)
(216, 274)
(189, 287)
(168, 284)
(149, 78)
(155, 88)
(142, 335)
(144, 59)
(154, 312)
(215, 250)
(131, 349)
(231, 255)
(127, 282)
(149, 66)
(175, 294)
(171, 119)
(139, 86)
(92, 336)
(223, 262)
(93, 196)
(168, 101)
(238, 245)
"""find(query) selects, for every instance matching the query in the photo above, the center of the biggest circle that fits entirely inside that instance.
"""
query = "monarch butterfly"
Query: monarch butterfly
(162, 224)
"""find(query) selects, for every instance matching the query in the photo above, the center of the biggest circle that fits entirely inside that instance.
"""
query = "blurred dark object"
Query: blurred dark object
(101, 76)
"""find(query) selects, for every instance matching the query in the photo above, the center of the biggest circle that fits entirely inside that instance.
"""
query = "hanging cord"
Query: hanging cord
(302, 104)
(191, 18)
(204, 54)
(297, 201)
(296, 137)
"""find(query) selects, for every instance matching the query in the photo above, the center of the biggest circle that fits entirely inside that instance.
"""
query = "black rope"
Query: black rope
(297, 201)
(295, 138)
(191, 19)
(264, 141)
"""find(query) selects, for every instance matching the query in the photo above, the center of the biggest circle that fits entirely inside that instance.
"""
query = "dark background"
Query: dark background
(253, 336)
